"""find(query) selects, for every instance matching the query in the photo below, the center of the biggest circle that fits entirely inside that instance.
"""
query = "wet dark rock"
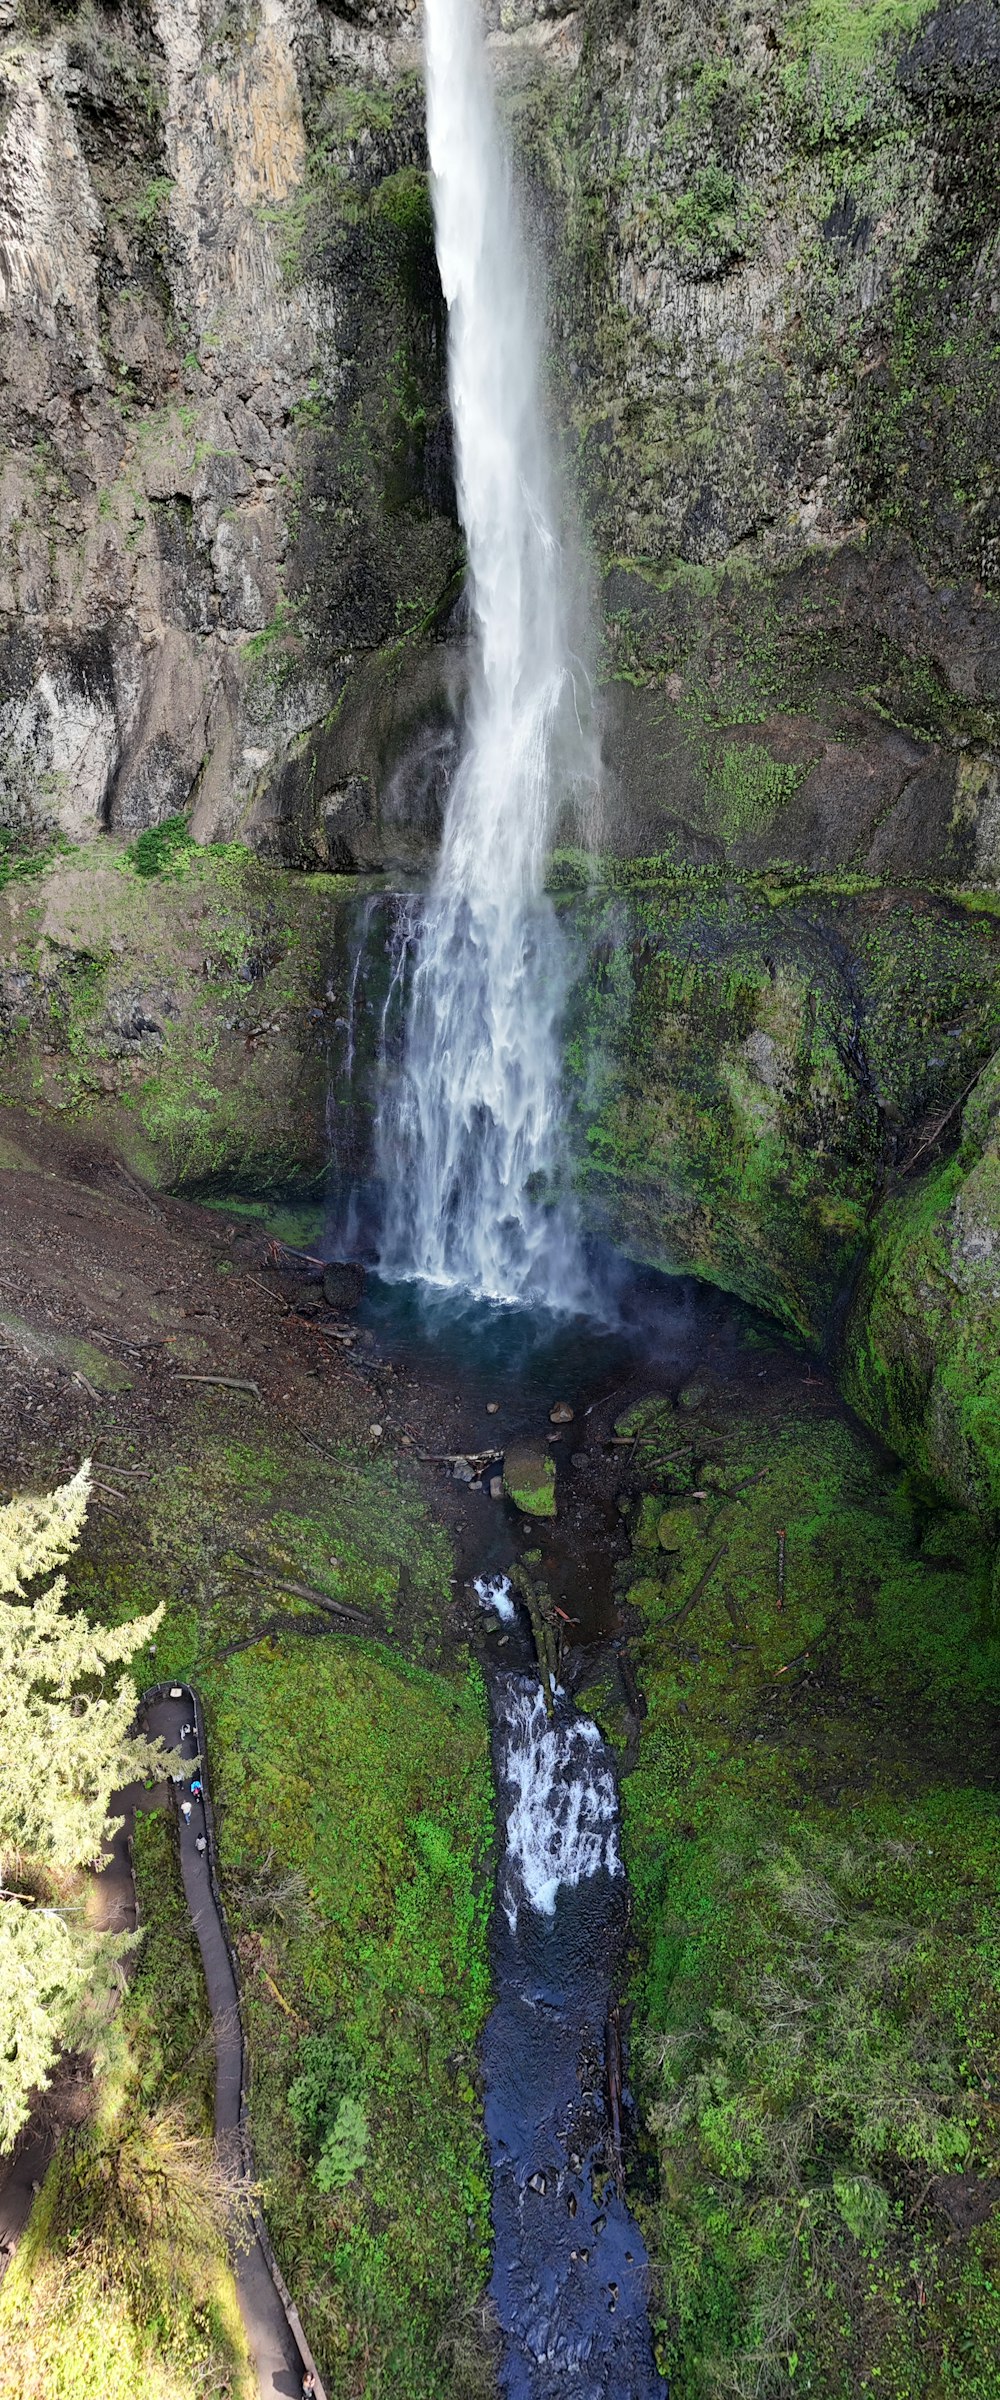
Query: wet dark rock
(343, 1284)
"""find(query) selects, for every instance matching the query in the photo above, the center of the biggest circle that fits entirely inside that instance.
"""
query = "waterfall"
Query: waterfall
(469, 1136)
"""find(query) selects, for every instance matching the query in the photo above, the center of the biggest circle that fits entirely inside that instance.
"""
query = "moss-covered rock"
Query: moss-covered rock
(743, 1075)
(183, 1015)
(813, 1875)
(922, 1359)
(529, 1477)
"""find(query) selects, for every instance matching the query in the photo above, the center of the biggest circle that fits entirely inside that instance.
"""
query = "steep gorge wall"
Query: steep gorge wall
(231, 567)
(230, 588)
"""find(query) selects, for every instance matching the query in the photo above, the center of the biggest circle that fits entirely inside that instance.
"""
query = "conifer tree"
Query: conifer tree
(65, 1745)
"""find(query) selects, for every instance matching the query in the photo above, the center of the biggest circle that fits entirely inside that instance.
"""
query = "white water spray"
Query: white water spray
(469, 1142)
(562, 1825)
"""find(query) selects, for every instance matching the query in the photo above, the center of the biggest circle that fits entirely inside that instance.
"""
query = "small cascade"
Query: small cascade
(563, 1824)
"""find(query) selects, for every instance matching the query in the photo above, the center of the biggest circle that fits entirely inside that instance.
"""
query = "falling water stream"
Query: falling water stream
(469, 1131)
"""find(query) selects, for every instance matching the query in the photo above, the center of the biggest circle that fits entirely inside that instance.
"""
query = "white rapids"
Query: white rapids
(562, 1821)
(469, 1136)
(494, 1593)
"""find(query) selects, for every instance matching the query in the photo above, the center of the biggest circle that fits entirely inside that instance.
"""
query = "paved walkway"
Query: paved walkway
(281, 2358)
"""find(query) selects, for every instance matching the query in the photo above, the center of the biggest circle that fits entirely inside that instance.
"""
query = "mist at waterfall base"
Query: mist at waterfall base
(468, 1129)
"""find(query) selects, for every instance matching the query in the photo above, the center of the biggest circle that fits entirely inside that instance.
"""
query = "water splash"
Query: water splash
(562, 1818)
(469, 1136)
(494, 1593)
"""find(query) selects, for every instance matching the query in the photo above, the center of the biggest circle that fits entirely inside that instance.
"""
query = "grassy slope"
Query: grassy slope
(121, 2289)
(816, 1896)
(355, 1821)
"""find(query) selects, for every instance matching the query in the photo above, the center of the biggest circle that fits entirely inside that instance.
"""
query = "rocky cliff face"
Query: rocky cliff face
(230, 557)
(219, 399)
(230, 592)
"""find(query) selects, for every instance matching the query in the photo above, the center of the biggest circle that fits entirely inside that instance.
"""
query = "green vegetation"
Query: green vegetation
(852, 30)
(354, 1801)
(723, 1056)
(19, 858)
(922, 1351)
(154, 200)
(356, 1825)
(66, 1713)
(529, 1476)
(816, 1896)
(121, 2288)
(701, 221)
(202, 1054)
(160, 846)
(747, 788)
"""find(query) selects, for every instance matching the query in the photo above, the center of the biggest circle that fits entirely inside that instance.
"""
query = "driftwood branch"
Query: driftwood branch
(301, 1591)
(232, 1383)
(674, 1623)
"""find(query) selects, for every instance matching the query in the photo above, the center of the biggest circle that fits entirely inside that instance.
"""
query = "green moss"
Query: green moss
(530, 1481)
(723, 1048)
(923, 1342)
(853, 30)
(200, 1053)
(748, 788)
(815, 1898)
(356, 1822)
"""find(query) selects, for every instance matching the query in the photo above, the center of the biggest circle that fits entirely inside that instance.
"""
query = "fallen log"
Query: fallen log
(302, 1591)
(675, 1622)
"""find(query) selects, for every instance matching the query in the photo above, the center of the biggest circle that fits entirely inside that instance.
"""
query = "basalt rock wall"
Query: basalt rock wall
(231, 582)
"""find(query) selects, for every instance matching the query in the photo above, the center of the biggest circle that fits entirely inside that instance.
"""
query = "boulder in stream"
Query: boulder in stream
(529, 1475)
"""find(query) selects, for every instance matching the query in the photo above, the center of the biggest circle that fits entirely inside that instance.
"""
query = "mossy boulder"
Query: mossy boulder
(529, 1478)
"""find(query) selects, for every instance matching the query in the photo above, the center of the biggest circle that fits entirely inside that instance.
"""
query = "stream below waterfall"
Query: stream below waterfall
(467, 1378)
(570, 2273)
(570, 2278)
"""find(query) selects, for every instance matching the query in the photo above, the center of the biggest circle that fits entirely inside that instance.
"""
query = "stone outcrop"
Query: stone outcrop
(231, 566)
(923, 1338)
(219, 363)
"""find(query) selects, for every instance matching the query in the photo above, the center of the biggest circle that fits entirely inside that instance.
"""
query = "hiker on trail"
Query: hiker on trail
(201, 1844)
(185, 1730)
(196, 1790)
(308, 2385)
(186, 1811)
